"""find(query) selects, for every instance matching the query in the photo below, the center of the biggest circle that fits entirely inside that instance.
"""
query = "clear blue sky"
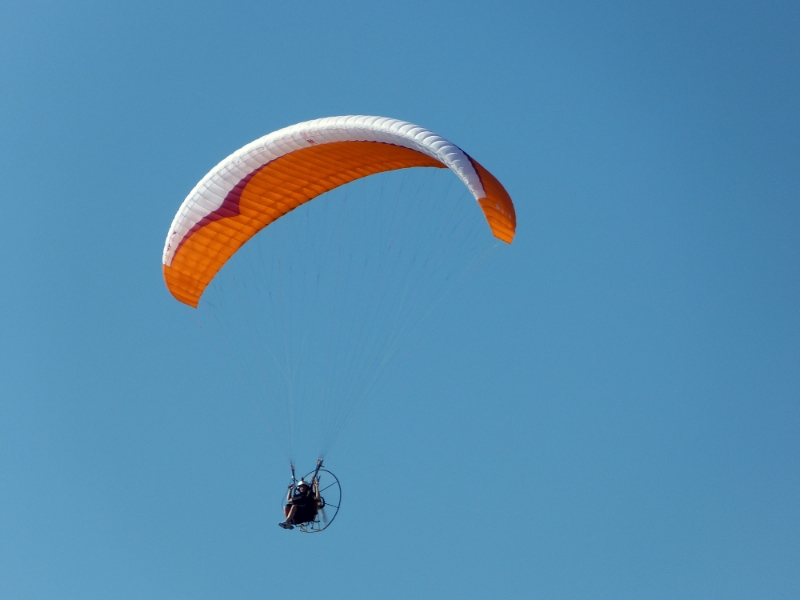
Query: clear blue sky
(638, 384)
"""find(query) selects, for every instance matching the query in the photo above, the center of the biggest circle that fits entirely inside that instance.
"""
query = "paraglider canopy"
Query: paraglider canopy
(275, 174)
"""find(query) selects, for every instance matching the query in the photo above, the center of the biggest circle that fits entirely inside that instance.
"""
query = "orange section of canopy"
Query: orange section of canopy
(497, 205)
(293, 179)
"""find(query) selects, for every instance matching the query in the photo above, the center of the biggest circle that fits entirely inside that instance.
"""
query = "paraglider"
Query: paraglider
(259, 186)
(313, 506)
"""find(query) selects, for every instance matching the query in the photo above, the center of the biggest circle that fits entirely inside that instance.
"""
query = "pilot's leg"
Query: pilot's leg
(289, 512)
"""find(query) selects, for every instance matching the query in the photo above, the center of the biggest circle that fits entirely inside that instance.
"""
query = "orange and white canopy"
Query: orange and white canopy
(275, 174)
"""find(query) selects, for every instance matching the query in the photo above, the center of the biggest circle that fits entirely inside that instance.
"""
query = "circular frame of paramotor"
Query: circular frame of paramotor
(331, 493)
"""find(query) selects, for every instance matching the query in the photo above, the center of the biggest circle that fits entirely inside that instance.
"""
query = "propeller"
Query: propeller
(322, 508)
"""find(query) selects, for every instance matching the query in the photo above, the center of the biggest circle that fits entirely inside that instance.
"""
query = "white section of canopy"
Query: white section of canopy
(209, 194)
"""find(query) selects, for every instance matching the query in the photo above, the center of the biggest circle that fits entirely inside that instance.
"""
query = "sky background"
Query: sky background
(612, 409)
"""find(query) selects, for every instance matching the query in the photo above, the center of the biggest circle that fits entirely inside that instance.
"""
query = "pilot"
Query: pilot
(302, 504)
